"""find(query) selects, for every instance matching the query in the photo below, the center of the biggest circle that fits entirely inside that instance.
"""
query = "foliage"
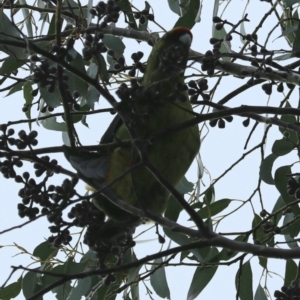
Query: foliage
(79, 57)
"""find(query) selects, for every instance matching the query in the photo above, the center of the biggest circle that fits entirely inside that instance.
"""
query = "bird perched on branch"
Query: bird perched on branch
(156, 104)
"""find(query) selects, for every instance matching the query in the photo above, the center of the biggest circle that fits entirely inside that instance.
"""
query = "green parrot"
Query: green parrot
(158, 102)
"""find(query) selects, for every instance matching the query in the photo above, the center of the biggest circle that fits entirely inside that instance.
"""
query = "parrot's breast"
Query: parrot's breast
(172, 154)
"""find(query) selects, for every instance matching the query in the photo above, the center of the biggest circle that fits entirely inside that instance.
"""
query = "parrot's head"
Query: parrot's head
(169, 55)
(173, 49)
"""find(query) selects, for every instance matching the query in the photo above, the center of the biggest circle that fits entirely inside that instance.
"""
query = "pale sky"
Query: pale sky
(219, 150)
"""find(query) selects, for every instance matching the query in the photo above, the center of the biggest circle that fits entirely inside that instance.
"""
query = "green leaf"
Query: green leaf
(92, 70)
(260, 294)
(52, 124)
(159, 281)
(52, 99)
(83, 286)
(201, 278)
(225, 45)
(290, 241)
(259, 234)
(143, 21)
(101, 291)
(92, 97)
(11, 64)
(16, 88)
(114, 43)
(216, 8)
(89, 256)
(266, 169)
(282, 147)
(11, 291)
(173, 209)
(289, 30)
(75, 83)
(31, 285)
(290, 3)
(263, 261)
(283, 57)
(174, 6)
(296, 44)
(102, 68)
(184, 186)
(27, 18)
(293, 136)
(278, 205)
(291, 271)
(209, 196)
(45, 251)
(133, 273)
(12, 35)
(293, 229)
(27, 88)
(51, 29)
(281, 183)
(181, 239)
(214, 208)
(126, 6)
(62, 291)
(290, 25)
(243, 282)
(188, 19)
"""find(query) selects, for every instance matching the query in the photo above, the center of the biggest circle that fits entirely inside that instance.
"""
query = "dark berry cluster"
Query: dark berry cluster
(136, 100)
(119, 64)
(136, 57)
(246, 122)
(265, 65)
(143, 16)
(289, 293)
(30, 194)
(267, 87)
(108, 239)
(106, 13)
(109, 12)
(63, 53)
(53, 199)
(198, 88)
(269, 227)
(221, 122)
(132, 100)
(219, 22)
(209, 61)
(5, 137)
(293, 187)
(45, 75)
(128, 94)
(7, 166)
(63, 237)
(85, 213)
(25, 140)
(93, 44)
(104, 238)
